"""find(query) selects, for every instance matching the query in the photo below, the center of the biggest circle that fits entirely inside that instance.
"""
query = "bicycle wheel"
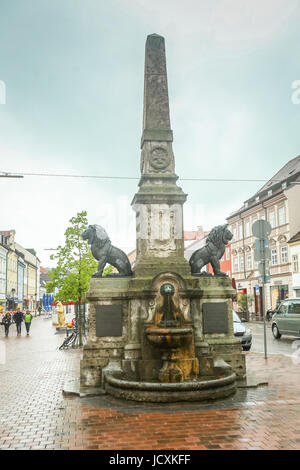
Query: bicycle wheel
(67, 341)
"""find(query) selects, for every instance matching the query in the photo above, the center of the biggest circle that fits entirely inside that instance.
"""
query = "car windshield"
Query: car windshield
(236, 318)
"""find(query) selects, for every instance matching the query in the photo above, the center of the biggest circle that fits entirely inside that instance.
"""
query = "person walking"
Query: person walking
(27, 319)
(18, 318)
(7, 322)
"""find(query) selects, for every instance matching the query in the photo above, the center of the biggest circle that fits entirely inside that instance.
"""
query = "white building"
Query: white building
(278, 202)
(294, 244)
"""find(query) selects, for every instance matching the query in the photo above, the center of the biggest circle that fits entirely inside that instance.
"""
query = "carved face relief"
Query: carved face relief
(159, 158)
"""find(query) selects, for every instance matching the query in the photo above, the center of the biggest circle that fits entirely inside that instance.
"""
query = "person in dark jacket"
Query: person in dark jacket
(18, 318)
(7, 322)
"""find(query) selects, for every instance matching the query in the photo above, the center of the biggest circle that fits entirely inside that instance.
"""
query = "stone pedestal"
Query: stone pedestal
(133, 303)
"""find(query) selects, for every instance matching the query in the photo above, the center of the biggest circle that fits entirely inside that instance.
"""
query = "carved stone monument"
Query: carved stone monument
(161, 334)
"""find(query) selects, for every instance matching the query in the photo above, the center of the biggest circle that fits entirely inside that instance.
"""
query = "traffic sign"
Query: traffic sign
(261, 228)
(262, 250)
(265, 279)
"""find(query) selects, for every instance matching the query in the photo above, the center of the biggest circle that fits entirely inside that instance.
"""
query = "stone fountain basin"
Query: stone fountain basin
(169, 338)
(201, 389)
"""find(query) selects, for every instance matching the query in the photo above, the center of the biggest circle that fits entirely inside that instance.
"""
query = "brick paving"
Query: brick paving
(35, 415)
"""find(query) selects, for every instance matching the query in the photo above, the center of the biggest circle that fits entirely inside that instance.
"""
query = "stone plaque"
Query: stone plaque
(108, 320)
(215, 317)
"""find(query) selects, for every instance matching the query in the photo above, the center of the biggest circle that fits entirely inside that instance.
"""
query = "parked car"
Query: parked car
(286, 318)
(242, 332)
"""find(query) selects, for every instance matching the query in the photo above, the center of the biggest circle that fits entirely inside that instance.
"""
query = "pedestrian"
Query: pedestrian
(27, 318)
(18, 318)
(6, 321)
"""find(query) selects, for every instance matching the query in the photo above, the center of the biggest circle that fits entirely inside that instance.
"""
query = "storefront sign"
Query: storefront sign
(242, 291)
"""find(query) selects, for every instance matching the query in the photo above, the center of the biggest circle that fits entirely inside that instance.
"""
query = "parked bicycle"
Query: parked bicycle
(73, 339)
(70, 340)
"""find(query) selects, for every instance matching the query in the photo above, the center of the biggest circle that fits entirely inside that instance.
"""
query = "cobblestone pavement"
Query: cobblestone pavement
(35, 415)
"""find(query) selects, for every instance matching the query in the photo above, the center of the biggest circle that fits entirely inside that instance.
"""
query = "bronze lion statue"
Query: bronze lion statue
(104, 252)
(212, 252)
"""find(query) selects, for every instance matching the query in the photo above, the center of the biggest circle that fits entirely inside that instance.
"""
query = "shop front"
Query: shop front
(278, 292)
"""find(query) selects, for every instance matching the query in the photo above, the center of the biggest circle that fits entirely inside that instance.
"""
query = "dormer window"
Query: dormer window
(284, 185)
(270, 192)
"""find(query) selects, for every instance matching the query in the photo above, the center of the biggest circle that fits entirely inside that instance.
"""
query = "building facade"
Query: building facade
(31, 294)
(19, 274)
(294, 244)
(3, 268)
(277, 201)
(12, 271)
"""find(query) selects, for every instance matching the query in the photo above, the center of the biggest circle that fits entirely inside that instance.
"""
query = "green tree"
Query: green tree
(243, 301)
(75, 266)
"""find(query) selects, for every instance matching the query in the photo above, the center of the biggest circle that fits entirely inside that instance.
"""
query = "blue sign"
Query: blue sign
(47, 302)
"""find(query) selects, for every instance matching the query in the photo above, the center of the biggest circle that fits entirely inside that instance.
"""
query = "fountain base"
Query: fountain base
(201, 389)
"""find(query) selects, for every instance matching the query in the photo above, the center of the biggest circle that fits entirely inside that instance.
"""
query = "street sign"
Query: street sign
(262, 250)
(265, 279)
(263, 268)
(261, 228)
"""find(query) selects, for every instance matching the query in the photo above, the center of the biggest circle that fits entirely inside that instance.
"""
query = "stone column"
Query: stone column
(158, 203)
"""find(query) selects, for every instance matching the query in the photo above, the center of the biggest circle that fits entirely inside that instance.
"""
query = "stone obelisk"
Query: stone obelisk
(158, 203)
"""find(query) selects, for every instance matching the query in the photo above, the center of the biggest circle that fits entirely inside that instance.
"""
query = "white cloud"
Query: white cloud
(222, 20)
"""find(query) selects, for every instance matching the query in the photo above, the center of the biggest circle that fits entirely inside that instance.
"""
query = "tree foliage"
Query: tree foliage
(75, 263)
(243, 301)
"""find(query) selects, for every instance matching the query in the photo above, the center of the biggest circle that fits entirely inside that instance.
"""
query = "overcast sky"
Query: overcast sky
(73, 73)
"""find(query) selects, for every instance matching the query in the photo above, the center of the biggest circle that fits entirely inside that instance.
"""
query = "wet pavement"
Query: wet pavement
(286, 345)
(35, 415)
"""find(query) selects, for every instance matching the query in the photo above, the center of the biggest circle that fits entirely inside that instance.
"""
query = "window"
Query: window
(294, 308)
(240, 232)
(263, 217)
(272, 219)
(283, 308)
(249, 262)
(234, 233)
(274, 259)
(242, 264)
(227, 253)
(281, 214)
(295, 263)
(284, 258)
(247, 228)
(236, 265)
